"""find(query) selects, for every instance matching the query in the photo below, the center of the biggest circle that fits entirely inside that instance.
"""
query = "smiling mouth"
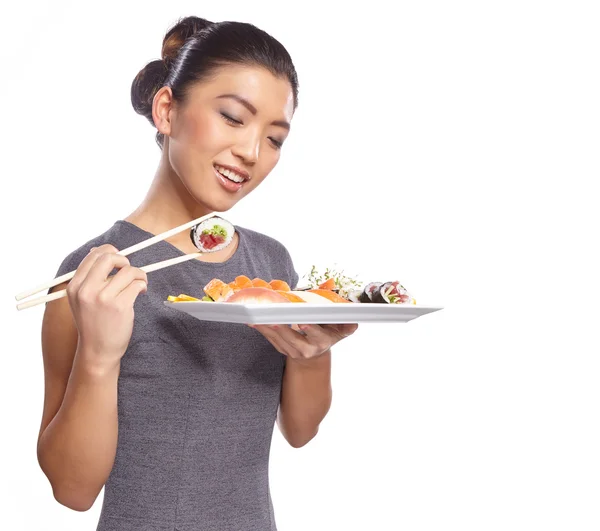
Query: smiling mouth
(232, 175)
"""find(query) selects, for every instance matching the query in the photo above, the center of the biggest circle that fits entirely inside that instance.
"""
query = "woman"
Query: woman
(172, 414)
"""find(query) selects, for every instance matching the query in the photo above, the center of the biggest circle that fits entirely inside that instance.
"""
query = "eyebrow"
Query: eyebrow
(252, 108)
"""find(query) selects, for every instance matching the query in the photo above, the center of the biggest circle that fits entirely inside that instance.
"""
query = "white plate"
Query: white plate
(302, 312)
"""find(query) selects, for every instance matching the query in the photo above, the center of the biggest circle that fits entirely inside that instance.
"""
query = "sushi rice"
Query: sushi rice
(212, 234)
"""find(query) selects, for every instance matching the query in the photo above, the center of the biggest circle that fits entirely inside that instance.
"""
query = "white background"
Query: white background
(450, 145)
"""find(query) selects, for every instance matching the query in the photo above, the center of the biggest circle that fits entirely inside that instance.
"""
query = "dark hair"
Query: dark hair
(194, 47)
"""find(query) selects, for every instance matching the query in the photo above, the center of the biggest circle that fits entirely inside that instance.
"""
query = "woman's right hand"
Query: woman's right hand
(103, 308)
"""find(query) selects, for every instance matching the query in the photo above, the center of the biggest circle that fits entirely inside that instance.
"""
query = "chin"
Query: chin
(214, 203)
(211, 196)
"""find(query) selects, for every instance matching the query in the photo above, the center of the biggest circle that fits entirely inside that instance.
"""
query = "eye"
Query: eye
(276, 143)
(230, 120)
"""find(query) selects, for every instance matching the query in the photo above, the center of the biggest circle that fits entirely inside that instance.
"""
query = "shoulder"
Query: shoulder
(118, 235)
(266, 243)
(271, 253)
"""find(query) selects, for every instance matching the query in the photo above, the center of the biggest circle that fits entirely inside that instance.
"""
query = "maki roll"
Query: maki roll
(367, 294)
(212, 234)
(391, 293)
(354, 295)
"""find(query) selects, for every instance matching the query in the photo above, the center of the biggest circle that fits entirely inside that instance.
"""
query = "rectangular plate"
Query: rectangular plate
(301, 312)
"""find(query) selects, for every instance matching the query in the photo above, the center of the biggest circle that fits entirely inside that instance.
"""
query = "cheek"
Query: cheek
(198, 132)
(267, 163)
(202, 133)
(272, 157)
(186, 145)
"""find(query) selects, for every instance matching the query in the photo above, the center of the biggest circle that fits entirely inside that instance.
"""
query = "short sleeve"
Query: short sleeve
(292, 275)
(295, 278)
(72, 260)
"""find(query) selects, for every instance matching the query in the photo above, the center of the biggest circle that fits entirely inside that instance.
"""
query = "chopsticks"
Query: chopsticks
(148, 269)
(124, 252)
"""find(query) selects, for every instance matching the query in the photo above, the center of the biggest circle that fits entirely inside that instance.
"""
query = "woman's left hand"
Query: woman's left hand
(312, 340)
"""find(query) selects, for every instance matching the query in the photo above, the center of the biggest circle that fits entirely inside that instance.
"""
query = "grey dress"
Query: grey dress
(197, 400)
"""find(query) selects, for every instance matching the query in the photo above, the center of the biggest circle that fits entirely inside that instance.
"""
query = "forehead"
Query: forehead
(272, 96)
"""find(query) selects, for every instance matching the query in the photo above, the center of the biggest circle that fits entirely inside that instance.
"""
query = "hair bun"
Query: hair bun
(145, 85)
(179, 33)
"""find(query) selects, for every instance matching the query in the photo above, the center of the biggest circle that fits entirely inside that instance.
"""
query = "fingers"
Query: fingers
(85, 266)
(106, 262)
(309, 341)
(295, 344)
(87, 263)
(277, 340)
(342, 330)
(129, 281)
(131, 292)
(317, 337)
(123, 279)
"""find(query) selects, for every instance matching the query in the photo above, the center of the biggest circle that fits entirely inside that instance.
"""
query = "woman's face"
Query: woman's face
(231, 128)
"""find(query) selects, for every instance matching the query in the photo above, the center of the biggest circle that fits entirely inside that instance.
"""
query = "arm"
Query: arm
(306, 387)
(83, 340)
(78, 436)
(305, 398)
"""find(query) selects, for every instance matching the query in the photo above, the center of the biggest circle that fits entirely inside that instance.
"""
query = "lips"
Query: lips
(232, 173)
(228, 184)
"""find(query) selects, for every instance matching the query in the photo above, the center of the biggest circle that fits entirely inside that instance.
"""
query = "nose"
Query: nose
(247, 148)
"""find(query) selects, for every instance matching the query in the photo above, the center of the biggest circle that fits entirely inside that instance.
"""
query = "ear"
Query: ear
(162, 105)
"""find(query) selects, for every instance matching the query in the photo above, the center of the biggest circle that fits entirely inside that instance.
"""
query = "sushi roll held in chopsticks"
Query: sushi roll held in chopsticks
(212, 234)
(209, 234)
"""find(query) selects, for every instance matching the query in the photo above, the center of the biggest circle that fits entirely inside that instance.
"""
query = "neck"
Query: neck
(167, 204)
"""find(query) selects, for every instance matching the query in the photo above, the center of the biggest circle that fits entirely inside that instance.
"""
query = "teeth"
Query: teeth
(232, 176)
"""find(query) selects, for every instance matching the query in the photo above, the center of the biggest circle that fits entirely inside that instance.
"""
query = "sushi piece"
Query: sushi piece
(291, 296)
(212, 235)
(391, 293)
(182, 297)
(234, 286)
(279, 285)
(354, 295)
(218, 291)
(243, 281)
(328, 284)
(303, 288)
(367, 294)
(260, 283)
(312, 298)
(328, 294)
(257, 296)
